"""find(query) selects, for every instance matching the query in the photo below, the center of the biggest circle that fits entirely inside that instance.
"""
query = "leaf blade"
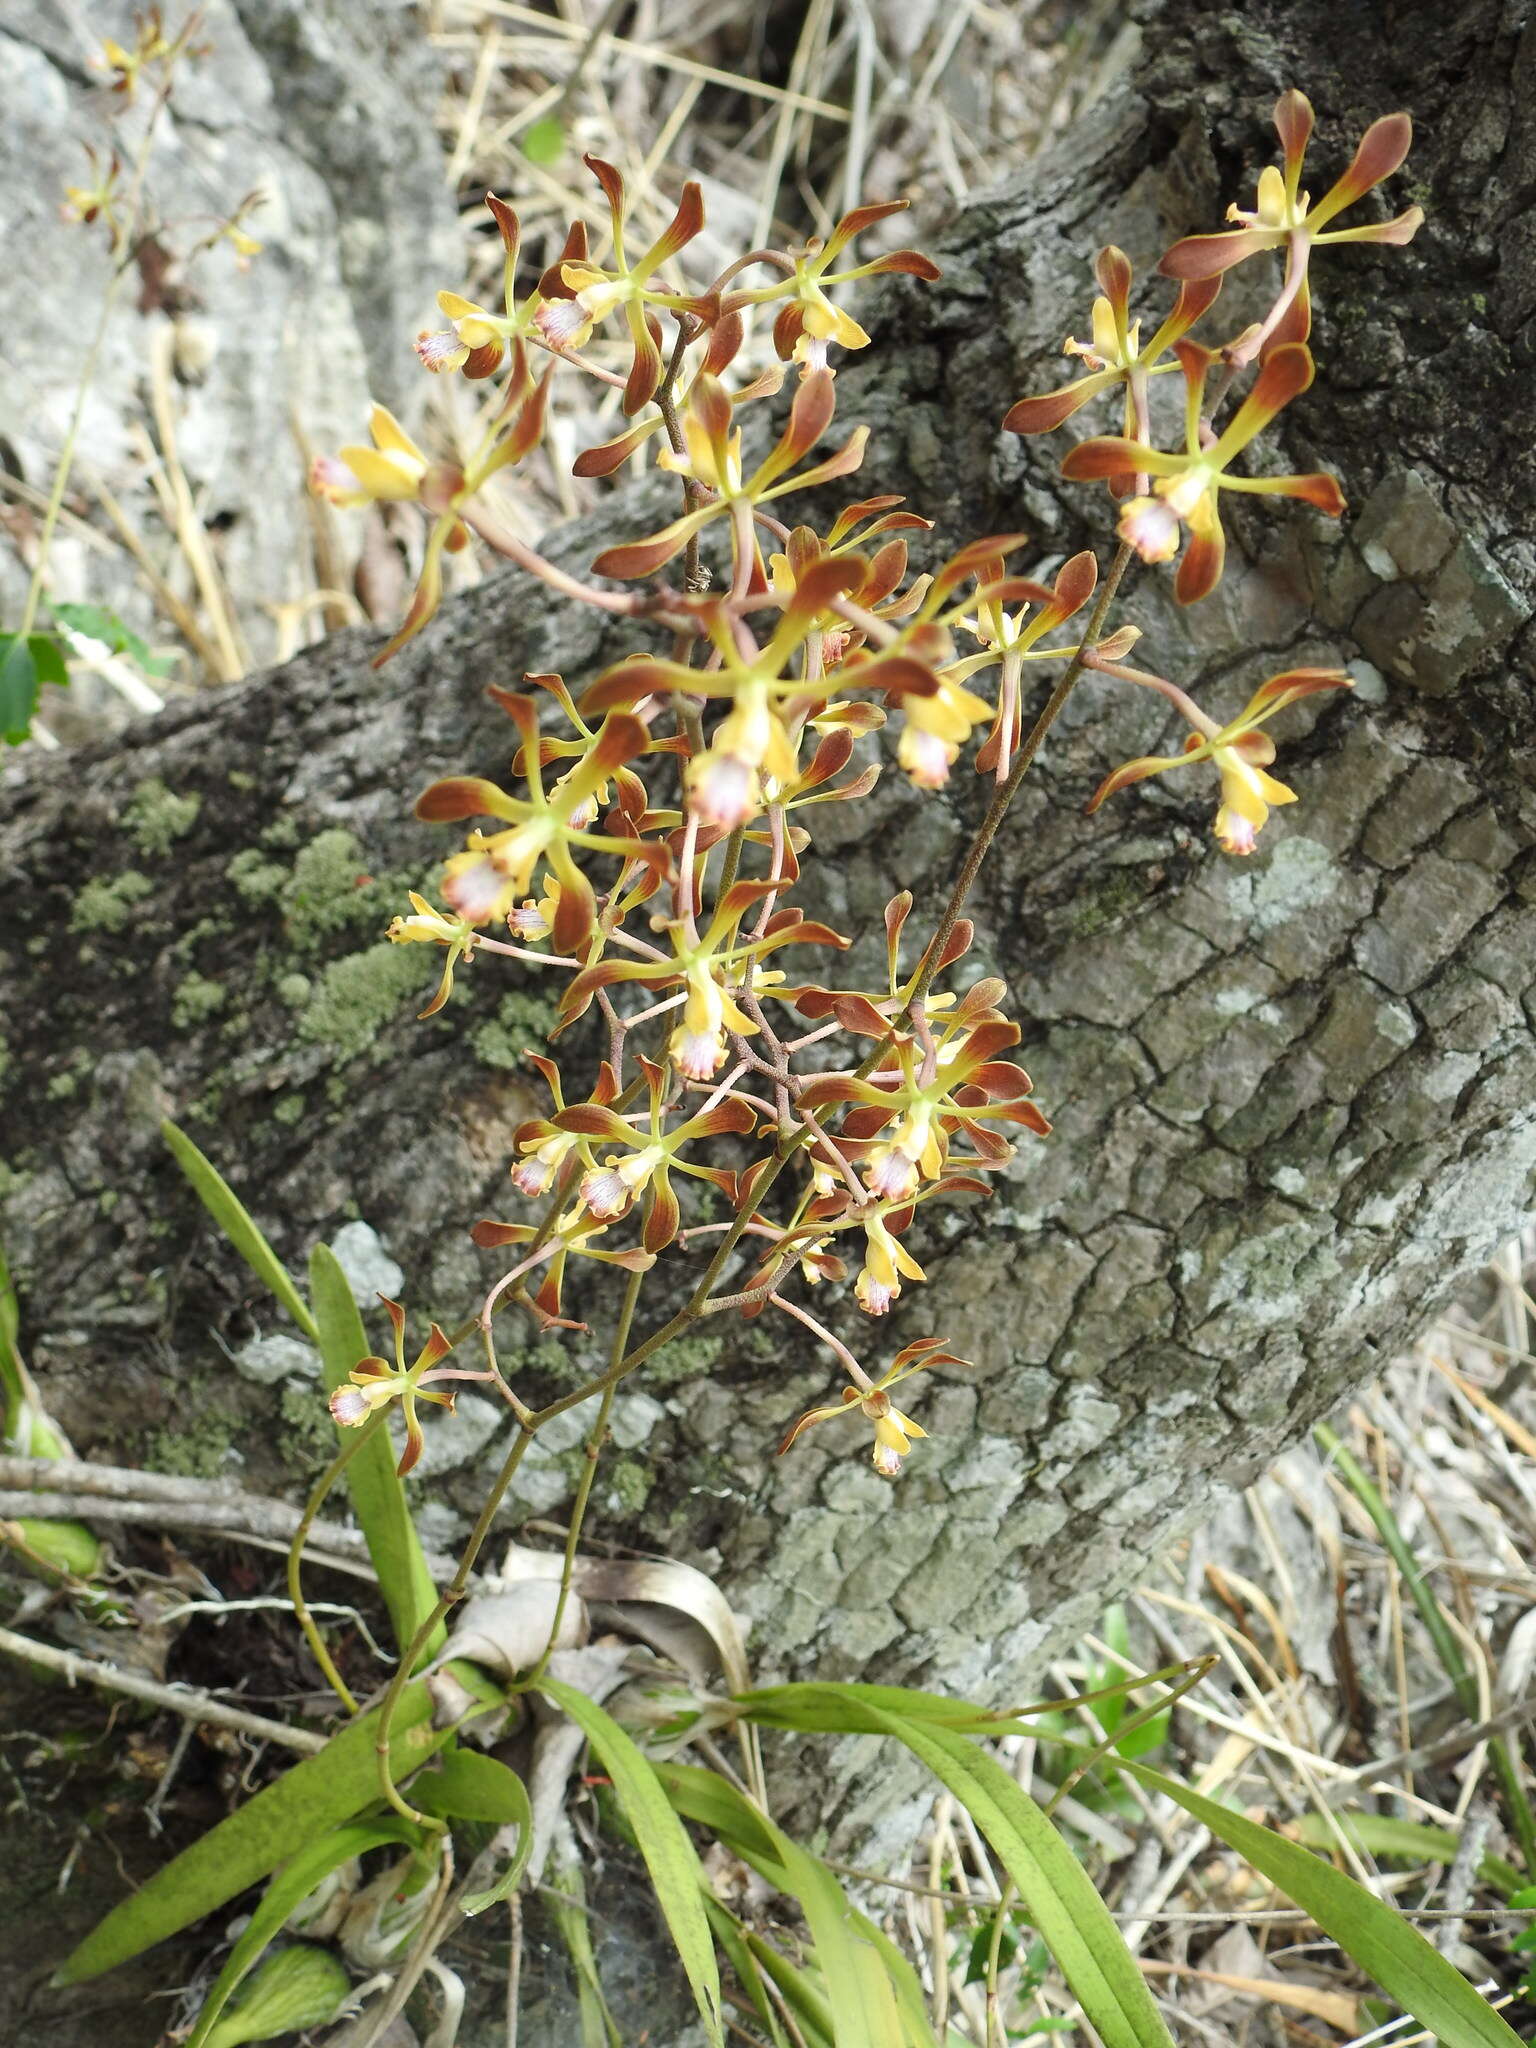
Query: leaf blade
(378, 1496)
(321, 1792)
(669, 1855)
(237, 1224)
(1053, 1887)
(1380, 1940)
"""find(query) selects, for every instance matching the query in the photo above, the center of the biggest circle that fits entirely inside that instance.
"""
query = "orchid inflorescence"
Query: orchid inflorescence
(649, 848)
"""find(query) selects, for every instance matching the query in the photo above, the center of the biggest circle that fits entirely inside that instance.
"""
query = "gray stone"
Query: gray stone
(266, 1360)
(326, 107)
(370, 1271)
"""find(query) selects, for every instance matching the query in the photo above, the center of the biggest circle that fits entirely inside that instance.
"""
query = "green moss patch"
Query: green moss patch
(195, 1001)
(522, 1022)
(156, 817)
(357, 996)
(106, 904)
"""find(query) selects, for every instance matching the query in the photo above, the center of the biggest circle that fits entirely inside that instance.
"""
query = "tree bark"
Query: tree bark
(1291, 1095)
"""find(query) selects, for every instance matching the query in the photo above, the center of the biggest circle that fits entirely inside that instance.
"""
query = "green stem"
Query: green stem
(729, 866)
(312, 1507)
(452, 1593)
(594, 1448)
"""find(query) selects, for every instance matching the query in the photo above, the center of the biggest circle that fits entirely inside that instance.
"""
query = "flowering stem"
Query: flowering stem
(451, 1593)
(312, 1506)
(997, 810)
(1243, 354)
(1177, 697)
(625, 603)
(593, 1451)
(850, 1364)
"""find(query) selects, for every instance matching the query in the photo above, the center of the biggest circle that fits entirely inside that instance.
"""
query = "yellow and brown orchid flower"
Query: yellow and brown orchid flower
(1187, 484)
(98, 200)
(720, 350)
(894, 1432)
(1115, 356)
(1009, 638)
(810, 321)
(708, 966)
(1284, 217)
(475, 339)
(599, 292)
(652, 1153)
(713, 460)
(395, 469)
(485, 881)
(543, 1146)
(920, 1096)
(571, 1238)
(373, 1383)
(769, 693)
(431, 927)
(1240, 751)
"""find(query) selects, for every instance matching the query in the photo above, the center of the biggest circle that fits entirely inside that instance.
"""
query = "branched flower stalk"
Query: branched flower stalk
(648, 845)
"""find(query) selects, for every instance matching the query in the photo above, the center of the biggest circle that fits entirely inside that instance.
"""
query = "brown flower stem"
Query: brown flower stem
(695, 576)
(624, 603)
(776, 257)
(997, 810)
(593, 1451)
(839, 1349)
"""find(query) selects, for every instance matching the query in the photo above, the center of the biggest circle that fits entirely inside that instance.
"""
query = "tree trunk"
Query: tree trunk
(1291, 1095)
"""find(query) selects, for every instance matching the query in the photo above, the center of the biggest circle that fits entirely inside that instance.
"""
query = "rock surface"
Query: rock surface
(326, 108)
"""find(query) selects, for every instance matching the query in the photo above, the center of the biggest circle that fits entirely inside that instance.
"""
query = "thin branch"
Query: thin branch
(196, 1706)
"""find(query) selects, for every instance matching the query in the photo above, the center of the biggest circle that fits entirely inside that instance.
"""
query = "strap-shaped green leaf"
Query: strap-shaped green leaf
(669, 1855)
(309, 1800)
(804, 1997)
(234, 1219)
(859, 1990)
(1373, 1933)
(378, 1495)
(836, 1708)
(732, 1937)
(1403, 1841)
(289, 1888)
(705, 1797)
(1054, 1889)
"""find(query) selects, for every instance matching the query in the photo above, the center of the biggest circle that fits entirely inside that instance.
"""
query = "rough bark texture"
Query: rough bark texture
(1292, 1095)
